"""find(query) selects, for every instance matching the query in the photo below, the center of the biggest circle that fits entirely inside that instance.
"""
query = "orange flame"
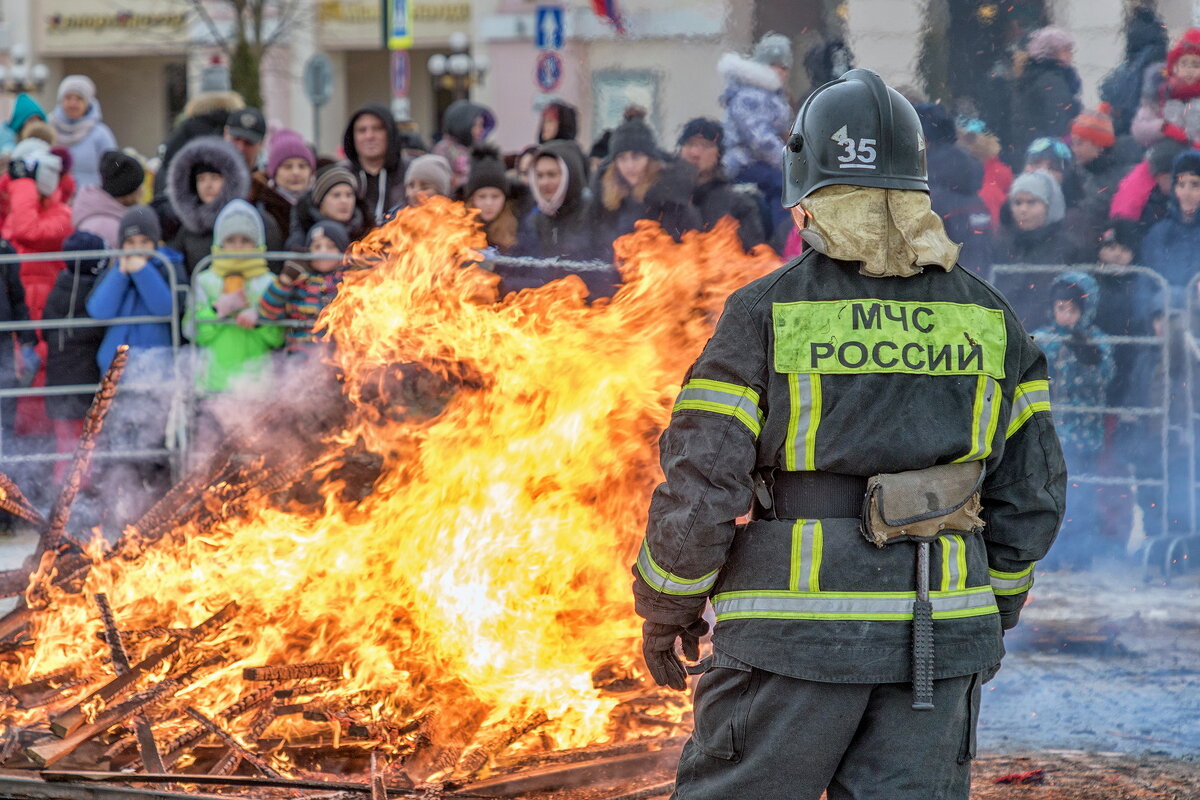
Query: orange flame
(487, 572)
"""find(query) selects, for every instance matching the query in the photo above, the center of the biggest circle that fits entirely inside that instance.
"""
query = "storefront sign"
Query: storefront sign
(124, 20)
(357, 23)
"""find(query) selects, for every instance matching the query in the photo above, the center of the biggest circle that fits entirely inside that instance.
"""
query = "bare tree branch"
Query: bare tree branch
(202, 12)
(288, 18)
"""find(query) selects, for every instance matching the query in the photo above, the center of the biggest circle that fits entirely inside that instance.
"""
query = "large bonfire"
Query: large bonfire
(485, 576)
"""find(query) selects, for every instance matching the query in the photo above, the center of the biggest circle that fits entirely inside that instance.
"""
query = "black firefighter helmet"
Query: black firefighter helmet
(855, 131)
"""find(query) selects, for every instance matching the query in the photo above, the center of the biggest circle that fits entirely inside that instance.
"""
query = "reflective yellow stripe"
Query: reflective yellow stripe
(985, 418)
(1030, 398)
(1010, 583)
(718, 397)
(865, 606)
(814, 421)
(667, 583)
(954, 561)
(804, 417)
(807, 540)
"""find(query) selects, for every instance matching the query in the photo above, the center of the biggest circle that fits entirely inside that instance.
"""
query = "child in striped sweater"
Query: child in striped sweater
(302, 289)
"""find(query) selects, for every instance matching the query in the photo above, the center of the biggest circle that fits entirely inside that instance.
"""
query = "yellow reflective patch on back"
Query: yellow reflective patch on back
(859, 336)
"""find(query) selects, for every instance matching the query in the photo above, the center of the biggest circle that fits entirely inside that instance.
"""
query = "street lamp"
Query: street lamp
(457, 71)
(21, 76)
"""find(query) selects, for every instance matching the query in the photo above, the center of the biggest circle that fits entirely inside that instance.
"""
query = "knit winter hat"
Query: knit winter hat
(773, 49)
(1042, 186)
(120, 174)
(936, 123)
(633, 136)
(334, 231)
(1095, 127)
(431, 169)
(705, 128)
(139, 221)
(77, 84)
(239, 217)
(287, 144)
(330, 177)
(1053, 150)
(1188, 44)
(1070, 291)
(1186, 162)
(487, 169)
(81, 241)
(1044, 43)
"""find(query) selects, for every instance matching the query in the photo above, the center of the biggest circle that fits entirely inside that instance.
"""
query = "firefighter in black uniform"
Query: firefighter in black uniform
(886, 420)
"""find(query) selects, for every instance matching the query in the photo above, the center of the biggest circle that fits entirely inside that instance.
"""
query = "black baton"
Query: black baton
(922, 648)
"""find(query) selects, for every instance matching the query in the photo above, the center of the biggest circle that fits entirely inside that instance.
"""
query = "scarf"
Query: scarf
(1176, 89)
(236, 268)
(72, 132)
(891, 232)
(551, 205)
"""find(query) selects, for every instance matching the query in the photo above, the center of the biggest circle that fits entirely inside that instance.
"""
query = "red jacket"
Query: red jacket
(997, 178)
(34, 226)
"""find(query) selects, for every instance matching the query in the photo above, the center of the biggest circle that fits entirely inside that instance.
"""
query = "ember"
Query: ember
(455, 611)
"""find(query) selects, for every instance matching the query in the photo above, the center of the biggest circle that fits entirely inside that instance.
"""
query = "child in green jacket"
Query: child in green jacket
(230, 290)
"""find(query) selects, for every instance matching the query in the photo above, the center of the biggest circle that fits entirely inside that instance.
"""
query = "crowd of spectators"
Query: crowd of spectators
(1050, 183)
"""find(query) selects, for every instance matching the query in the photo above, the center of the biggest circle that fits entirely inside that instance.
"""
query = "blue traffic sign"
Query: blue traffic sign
(549, 28)
(549, 71)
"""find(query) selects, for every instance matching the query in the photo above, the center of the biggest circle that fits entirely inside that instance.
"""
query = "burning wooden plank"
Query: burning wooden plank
(46, 754)
(93, 423)
(233, 744)
(14, 502)
(477, 756)
(147, 747)
(62, 724)
(289, 672)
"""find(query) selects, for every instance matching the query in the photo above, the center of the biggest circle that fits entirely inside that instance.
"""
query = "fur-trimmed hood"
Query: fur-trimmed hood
(737, 69)
(200, 217)
(207, 102)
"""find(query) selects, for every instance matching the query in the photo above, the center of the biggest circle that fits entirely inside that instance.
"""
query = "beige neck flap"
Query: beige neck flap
(892, 232)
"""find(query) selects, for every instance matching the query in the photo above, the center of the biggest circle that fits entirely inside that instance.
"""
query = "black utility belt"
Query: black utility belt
(779, 494)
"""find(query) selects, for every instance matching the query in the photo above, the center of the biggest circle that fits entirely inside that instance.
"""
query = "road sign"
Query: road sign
(399, 24)
(318, 79)
(549, 71)
(549, 27)
(400, 73)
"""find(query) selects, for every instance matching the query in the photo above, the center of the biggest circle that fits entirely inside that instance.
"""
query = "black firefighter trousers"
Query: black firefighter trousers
(762, 736)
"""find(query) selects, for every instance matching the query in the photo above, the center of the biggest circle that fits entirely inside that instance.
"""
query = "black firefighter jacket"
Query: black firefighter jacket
(816, 367)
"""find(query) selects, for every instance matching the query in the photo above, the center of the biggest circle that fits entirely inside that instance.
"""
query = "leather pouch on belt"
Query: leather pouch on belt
(923, 504)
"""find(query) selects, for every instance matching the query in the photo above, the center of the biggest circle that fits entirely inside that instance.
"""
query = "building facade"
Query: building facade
(146, 56)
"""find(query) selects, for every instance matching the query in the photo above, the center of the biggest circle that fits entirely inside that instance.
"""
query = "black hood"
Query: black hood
(461, 115)
(572, 156)
(392, 160)
(568, 121)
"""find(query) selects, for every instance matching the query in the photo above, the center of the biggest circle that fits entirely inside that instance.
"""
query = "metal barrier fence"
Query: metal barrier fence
(173, 445)
(1150, 487)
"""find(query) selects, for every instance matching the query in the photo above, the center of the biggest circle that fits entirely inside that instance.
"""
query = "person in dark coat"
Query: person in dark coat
(559, 121)
(1145, 46)
(639, 182)
(559, 226)
(1032, 232)
(204, 115)
(1172, 247)
(701, 144)
(71, 355)
(14, 309)
(1046, 95)
(206, 175)
(373, 154)
(465, 125)
(955, 179)
(334, 196)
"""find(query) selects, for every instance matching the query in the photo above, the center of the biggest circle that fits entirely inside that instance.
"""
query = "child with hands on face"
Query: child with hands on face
(229, 291)
(303, 288)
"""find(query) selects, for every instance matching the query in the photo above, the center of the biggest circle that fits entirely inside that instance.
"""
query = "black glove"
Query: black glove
(1087, 353)
(658, 648)
(17, 169)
